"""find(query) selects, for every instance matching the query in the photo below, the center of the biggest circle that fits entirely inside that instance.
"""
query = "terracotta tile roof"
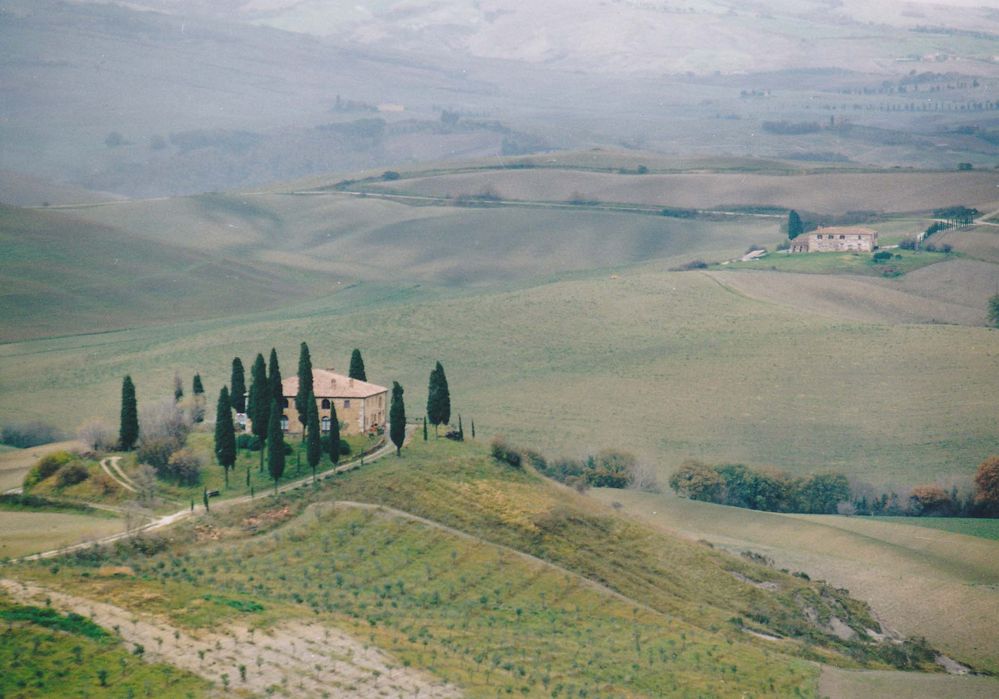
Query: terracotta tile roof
(326, 383)
(844, 230)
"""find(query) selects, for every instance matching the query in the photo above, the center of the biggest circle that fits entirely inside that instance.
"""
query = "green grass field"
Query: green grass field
(983, 528)
(888, 562)
(901, 262)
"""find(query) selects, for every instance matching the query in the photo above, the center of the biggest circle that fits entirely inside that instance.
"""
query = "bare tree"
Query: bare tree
(97, 435)
(164, 419)
(643, 477)
(145, 482)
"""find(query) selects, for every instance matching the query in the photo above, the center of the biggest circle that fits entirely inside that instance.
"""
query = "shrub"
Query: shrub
(930, 500)
(908, 244)
(184, 466)
(156, 452)
(47, 466)
(697, 481)
(502, 451)
(29, 434)
(248, 441)
(344, 448)
(390, 175)
(164, 420)
(882, 256)
(71, 474)
(612, 469)
(97, 435)
(692, 265)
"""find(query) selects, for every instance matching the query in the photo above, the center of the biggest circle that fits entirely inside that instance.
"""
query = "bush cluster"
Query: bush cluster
(757, 489)
(29, 434)
(67, 467)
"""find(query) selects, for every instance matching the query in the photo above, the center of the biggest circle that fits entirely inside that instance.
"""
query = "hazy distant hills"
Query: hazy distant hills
(670, 36)
(167, 97)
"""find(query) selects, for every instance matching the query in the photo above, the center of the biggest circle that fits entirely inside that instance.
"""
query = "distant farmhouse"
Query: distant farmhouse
(361, 407)
(837, 239)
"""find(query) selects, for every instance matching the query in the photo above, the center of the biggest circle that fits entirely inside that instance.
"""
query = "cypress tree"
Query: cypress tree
(313, 444)
(304, 386)
(357, 366)
(424, 428)
(260, 403)
(225, 434)
(274, 379)
(438, 398)
(275, 445)
(433, 387)
(197, 388)
(128, 433)
(794, 225)
(397, 418)
(461, 431)
(237, 382)
(473, 429)
(334, 439)
(178, 388)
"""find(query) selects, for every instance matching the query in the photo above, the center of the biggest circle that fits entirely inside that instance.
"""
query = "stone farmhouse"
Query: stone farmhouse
(836, 239)
(361, 407)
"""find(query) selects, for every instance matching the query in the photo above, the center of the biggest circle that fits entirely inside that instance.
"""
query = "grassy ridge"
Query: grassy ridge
(481, 616)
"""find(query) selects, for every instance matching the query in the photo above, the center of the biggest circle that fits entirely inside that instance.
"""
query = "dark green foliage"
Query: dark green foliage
(29, 434)
(259, 406)
(313, 438)
(502, 451)
(794, 225)
(425, 437)
(608, 469)
(357, 366)
(237, 383)
(128, 432)
(71, 474)
(51, 619)
(178, 389)
(276, 391)
(225, 434)
(473, 429)
(197, 388)
(438, 398)
(770, 490)
(238, 604)
(957, 215)
(994, 310)
(302, 397)
(248, 441)
(21, 501)
(397, 418)
(333, 444)
(275, 445)
(881, 256)
(461, 430)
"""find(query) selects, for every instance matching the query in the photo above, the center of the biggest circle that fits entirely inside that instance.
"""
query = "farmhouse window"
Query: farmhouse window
(284, 402)
(326, 424)
(284, 423)
(346, 404)
(326, 403)
(842, 237)
(819, 236)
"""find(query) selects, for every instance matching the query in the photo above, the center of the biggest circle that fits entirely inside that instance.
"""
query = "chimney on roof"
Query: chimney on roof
(351, 383)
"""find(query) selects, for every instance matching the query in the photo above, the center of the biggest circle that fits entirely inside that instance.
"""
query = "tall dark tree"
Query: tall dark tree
(794, 225)
(994, 310)
(197, 388)
(313, 438)
(304, 385)
(357, 366)
(473, 429)
(259, 406)
(274, 379)
(333, 445)
(397, 418)
(178, 389)
(225, 434)
(275, 445)
(237, 383)
(128, 433)
(424, 428)
(438, 398)
(461, 431)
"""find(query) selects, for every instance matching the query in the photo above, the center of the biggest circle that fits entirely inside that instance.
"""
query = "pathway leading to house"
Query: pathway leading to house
(167, 520)
(113, 469)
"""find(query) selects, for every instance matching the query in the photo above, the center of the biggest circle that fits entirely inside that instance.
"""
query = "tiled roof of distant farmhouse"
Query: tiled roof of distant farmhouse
(326, 383)
(843, 230)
